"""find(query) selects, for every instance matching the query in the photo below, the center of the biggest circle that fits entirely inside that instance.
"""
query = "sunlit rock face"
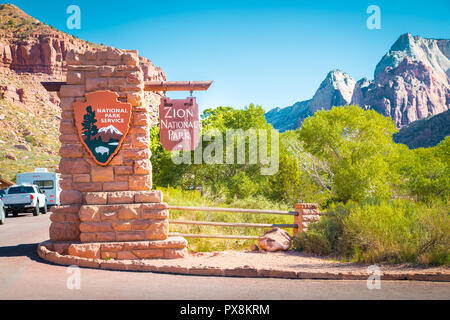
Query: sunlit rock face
(335, 90)
(406, 93)
(411, 82)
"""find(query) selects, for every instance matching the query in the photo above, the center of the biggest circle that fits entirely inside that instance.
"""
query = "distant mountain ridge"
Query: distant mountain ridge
(426, 132)
(411, 82)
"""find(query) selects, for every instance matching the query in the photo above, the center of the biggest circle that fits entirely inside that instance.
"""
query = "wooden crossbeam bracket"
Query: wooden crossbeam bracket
(177, 85)
(150, 85)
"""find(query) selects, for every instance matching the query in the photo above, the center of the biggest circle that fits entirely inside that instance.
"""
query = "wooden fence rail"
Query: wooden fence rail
(212, 236)
(294, 226)
(233, 224)
(234, 210)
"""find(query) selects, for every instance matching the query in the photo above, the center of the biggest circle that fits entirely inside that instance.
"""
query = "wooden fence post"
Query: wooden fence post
(298, 219)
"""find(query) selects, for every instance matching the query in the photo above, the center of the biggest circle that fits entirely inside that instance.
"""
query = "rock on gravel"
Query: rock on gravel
(275, 240)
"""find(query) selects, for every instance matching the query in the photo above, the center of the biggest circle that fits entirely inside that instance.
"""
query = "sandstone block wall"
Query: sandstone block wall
(130, 170)
(307, 213)
(162, 249)
(124, 216)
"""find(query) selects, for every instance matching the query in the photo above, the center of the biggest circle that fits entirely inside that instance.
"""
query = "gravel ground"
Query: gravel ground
(288, 261)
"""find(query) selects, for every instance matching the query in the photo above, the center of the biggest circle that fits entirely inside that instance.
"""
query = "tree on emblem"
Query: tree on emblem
(89, 127)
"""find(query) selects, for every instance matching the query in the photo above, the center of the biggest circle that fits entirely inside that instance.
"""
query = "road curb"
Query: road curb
(240, 271)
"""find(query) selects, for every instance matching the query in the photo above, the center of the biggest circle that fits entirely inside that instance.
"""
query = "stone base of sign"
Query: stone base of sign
(123, 197)
(65, 224)
(170, 248)
(230, 264)
(112, 216)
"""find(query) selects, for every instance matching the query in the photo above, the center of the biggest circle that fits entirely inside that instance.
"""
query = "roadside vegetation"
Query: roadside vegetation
(382, 231)
(385, 203)
(26, 141)
(193, 198)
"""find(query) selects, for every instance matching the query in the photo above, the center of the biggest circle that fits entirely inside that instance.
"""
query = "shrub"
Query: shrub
(327, 236)
(241, 186)
(312, 242)
(392, 232)
(31, 140)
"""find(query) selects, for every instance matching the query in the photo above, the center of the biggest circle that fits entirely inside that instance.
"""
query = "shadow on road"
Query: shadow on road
(21, 250)
(21, 215)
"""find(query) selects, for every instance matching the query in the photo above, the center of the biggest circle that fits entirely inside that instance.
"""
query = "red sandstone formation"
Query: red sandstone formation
(31, 52)
(407, 93)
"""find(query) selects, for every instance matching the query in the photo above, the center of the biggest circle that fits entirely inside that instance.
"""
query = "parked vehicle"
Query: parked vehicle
(47, 181)
(2, 213)
(2, 192)
(24, 198)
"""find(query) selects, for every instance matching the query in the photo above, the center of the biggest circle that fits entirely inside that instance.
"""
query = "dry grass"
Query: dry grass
(193, 198)
(383, 232)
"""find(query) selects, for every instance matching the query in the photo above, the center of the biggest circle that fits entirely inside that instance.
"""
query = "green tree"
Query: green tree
(292, 183)
(239, 180)
(425, 172)
(217, 179)
(355, 146)
(165, 172)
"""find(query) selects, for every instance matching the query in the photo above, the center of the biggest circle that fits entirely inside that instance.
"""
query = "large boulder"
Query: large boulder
(275, 240)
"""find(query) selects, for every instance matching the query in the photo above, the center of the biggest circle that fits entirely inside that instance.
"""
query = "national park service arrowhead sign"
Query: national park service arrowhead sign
(102, 123)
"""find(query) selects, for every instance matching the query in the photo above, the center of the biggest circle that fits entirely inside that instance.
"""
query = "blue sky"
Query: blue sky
(272, 53)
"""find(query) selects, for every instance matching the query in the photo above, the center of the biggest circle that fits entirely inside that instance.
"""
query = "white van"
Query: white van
(46, 181)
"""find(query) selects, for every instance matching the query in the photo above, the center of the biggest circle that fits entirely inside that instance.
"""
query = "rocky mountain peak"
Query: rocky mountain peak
(335, 90)
(433, 53)
(411, 82)
(408, 92)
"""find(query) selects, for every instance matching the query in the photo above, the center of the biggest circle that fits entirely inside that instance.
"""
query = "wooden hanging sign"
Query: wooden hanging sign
(102, 123)
(179, 124)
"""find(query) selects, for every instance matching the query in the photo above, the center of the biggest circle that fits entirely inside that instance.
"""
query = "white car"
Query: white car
(24, 198)
(47, 181)
(2, 213)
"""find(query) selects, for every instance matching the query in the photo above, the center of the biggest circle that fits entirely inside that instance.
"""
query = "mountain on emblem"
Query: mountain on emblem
(93, 119)
(109, 133)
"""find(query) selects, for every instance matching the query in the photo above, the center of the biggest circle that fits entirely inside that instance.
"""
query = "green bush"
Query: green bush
(327, 236)
(31, 140)
(391, 232)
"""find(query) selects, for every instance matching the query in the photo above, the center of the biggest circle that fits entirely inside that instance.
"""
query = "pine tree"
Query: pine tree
(89, 127)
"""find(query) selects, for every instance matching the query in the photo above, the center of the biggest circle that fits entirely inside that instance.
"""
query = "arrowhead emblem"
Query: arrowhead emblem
(102, 123)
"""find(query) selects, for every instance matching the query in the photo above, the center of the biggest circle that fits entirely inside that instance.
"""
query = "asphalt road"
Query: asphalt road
(23, 275)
